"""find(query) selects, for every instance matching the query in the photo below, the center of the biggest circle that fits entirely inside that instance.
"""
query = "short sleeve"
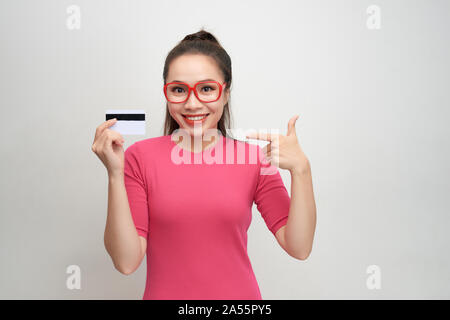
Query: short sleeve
(136, 190)
(271, 198)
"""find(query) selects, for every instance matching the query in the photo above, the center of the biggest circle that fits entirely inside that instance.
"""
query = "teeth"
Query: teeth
(196, 118)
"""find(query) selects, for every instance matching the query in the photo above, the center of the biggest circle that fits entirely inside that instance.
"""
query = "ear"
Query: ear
(226, 95)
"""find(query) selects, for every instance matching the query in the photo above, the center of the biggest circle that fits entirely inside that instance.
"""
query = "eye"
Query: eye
(209, 88)
(175, 89)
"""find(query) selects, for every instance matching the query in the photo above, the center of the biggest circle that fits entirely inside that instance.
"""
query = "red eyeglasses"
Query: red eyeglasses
(205, 91)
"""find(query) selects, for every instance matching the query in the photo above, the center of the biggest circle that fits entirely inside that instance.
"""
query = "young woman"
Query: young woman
(191, 218)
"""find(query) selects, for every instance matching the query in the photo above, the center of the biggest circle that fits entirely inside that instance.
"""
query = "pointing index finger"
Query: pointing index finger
(259, 136)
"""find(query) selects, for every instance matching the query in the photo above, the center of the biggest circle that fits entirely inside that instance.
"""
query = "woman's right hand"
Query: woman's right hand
(108, 146)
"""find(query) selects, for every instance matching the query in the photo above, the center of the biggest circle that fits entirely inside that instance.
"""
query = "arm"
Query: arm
(122, 242)
(296, 237)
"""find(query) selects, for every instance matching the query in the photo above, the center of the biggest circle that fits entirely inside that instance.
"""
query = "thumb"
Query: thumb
(291, 125)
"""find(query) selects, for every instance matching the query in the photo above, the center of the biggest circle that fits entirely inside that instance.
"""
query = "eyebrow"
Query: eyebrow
(197, 81)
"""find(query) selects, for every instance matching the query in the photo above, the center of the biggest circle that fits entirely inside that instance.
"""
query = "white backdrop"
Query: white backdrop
(373, 105)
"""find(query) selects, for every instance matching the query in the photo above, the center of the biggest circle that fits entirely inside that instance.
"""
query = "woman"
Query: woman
(191, 218)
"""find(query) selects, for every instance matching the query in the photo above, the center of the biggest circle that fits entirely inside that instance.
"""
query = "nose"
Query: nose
(192, 103)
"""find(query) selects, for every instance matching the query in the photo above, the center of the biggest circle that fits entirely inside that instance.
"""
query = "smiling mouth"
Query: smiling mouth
(195, 117)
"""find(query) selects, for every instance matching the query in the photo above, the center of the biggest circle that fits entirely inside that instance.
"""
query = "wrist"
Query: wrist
(116, 175)
(301, 169)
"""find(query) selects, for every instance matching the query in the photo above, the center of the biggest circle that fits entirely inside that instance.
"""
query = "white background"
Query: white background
(373, 106)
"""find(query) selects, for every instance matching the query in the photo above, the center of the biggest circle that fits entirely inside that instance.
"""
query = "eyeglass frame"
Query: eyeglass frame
(194, 89)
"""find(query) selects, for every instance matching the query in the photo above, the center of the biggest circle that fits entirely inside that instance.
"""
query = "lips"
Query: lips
(195, 115)
(192, 122)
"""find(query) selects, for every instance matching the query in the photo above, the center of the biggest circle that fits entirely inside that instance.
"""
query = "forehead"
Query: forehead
(191, 68)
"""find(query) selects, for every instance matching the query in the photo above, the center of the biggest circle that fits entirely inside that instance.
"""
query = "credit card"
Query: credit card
(129, 122)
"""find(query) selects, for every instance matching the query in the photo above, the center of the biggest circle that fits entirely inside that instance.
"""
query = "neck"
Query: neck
(194, 143)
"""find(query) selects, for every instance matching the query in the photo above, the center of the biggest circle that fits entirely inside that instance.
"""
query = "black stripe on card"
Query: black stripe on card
(126, 116)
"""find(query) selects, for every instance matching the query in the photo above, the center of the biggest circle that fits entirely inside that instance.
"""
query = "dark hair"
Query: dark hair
(201, 42)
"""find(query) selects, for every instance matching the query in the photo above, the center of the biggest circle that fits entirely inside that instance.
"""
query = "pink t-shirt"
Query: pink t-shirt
(195, 216)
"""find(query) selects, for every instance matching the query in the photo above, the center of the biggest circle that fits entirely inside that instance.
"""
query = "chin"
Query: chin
(190, 129)
(196, 133)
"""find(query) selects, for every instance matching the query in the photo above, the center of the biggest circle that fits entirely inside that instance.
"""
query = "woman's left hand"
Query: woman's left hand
(284, 151)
